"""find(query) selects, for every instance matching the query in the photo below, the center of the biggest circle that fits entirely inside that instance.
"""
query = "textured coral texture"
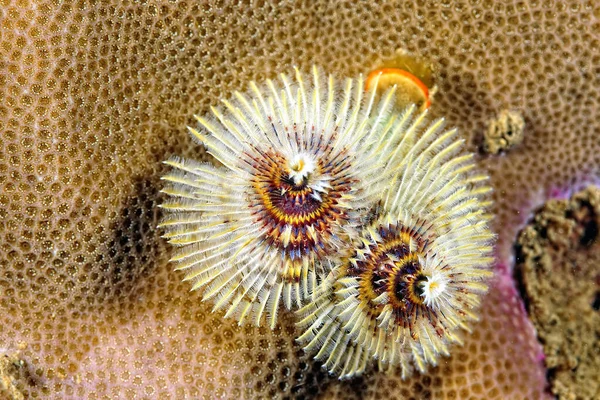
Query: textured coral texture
(503, 132)
(94, 95)
(558, 265)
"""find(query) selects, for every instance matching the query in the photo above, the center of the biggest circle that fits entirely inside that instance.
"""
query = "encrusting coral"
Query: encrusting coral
(503, 132)
(558, 254)
(95, 95)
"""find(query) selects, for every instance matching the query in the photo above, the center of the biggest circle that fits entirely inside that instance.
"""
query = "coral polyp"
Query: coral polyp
(417, 270)
(303, 162)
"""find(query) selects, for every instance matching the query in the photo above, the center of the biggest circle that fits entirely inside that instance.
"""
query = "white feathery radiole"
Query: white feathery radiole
(304, 160)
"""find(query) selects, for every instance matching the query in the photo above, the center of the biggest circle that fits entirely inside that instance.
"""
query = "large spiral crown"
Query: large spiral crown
(303, 162)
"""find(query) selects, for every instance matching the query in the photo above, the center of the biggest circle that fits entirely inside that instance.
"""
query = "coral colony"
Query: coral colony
(365, 219)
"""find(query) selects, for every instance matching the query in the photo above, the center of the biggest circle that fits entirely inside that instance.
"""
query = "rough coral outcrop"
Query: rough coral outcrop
(96, 94)
(558, 268)
(503, 132)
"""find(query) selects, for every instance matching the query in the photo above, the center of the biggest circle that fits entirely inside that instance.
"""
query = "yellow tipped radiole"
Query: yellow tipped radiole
(366, 219)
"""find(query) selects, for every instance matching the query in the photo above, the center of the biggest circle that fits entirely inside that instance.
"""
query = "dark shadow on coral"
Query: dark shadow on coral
(130, 254)
(588, 220)
(519, 278)
(596, 301)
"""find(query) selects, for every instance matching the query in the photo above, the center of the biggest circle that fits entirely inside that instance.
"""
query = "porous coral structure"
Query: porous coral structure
(95, 95)
(503, 132)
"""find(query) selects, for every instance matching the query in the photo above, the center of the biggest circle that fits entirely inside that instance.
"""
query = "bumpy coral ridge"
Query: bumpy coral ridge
(558, 257)
(95, 95)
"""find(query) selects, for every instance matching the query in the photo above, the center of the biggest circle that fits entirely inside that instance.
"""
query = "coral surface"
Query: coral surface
(558, 265)
(503, 132)
(94, 95)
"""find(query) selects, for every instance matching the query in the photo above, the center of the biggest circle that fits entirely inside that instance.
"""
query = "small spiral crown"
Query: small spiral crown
(417, 270)
(303, 162)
